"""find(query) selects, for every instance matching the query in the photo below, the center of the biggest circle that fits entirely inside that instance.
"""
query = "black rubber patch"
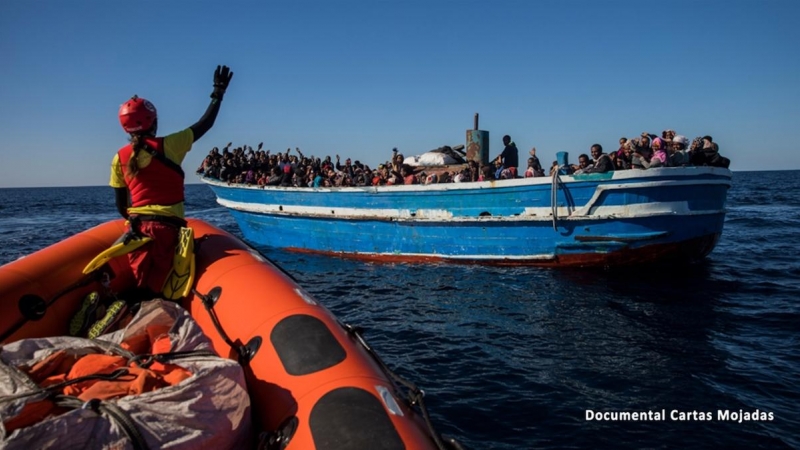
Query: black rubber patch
(352, 419)
(32, 307)
(305, 345)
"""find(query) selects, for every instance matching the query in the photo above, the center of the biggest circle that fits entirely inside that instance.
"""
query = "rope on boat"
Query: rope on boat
(147, 359)
(554, 197)
(415, 394)
(33, 307)
(52, 389)
(247, 351)
(110, 410)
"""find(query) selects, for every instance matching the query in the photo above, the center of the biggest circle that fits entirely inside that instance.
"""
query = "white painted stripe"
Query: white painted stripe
(323, 211)
(600, 189)
(542, 257)
(530, 214)
(378, 255)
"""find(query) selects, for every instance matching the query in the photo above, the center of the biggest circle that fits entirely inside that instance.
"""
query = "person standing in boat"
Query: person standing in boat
(149, 171)
(510, 156)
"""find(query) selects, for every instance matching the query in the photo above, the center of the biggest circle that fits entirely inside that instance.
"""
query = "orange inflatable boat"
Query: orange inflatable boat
(313, 382)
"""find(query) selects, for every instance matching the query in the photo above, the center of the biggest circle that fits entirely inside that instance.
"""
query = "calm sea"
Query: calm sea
(514, 358)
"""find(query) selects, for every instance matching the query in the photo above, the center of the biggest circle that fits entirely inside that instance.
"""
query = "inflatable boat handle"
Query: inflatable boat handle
(246, 352)
(33, 307)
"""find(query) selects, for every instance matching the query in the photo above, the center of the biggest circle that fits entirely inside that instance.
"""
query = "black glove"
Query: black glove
(222, 77)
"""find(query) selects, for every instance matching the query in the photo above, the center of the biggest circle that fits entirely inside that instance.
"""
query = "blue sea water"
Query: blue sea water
(512, 358)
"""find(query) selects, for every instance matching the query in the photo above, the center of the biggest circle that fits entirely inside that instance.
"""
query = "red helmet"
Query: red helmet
(137, 114)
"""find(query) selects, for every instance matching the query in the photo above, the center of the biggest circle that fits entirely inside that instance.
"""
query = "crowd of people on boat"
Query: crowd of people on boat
(245, 165)
(650, 151)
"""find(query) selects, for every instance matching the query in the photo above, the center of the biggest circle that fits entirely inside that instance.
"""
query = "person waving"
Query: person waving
(148, 170)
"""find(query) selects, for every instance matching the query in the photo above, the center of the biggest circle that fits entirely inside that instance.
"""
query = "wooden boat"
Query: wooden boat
(313, 382)
(605, 219)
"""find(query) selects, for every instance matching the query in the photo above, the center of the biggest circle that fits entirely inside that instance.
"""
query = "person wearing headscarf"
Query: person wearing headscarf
(679, 155)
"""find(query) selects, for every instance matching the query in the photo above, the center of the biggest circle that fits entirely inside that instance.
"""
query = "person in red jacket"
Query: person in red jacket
(148, 170)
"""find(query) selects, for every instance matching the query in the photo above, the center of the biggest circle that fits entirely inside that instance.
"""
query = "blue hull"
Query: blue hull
(600, 219)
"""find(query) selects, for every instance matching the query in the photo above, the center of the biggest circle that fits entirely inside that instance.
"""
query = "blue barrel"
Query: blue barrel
(478, 146)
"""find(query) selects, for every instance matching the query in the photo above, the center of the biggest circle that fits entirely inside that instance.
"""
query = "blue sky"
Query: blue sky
(360, 77)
